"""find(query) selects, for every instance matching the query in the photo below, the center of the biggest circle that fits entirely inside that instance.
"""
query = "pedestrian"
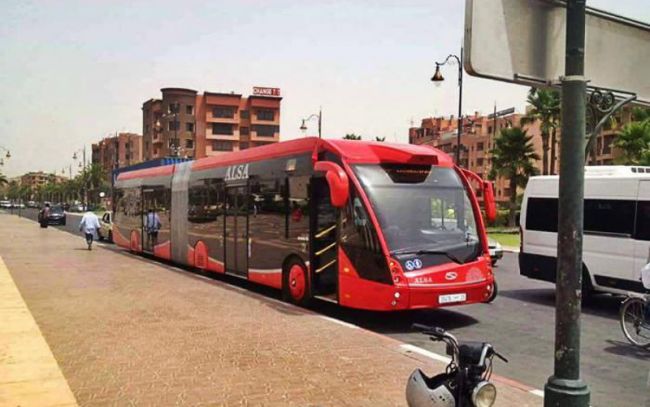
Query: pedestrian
(43, 215)
(152, 225)
(89, 225)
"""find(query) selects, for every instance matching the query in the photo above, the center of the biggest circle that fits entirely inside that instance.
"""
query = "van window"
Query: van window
(642, 221)
(600, 216)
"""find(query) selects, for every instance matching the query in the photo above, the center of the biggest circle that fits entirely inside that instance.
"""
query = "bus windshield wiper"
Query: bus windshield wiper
(428, 251)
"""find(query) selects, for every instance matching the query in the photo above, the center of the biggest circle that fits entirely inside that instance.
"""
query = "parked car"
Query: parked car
(32, 204)
(105, 231)
(56, 216)
(496, 251)
(5, 204)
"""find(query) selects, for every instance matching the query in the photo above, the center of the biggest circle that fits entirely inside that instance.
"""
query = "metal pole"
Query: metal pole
(85, 198)
(565, 388)
(320, 118)
(460, 105)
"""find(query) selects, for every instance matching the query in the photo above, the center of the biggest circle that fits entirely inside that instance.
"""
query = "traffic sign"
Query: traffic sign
(523, 42)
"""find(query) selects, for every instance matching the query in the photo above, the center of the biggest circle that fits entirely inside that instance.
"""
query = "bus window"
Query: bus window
(643, 221)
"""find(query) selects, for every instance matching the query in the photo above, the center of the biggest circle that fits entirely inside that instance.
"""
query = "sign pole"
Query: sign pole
(564, 387)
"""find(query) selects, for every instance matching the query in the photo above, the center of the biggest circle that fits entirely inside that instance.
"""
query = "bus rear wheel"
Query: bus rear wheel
(295, 283)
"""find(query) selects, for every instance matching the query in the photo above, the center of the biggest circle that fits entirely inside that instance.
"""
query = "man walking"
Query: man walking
(152, 226)
(89, 225)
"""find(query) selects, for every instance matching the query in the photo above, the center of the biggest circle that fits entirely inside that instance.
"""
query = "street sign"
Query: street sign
(523, 42)
(501, 113)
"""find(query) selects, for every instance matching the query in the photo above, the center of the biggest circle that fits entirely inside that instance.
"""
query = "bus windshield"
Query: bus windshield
(422, 210)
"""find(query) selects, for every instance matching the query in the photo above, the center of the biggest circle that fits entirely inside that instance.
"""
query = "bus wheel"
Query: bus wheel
(493, 295)
(295, 283)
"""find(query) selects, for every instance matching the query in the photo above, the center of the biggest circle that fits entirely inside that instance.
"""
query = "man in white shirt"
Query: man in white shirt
(89, 225)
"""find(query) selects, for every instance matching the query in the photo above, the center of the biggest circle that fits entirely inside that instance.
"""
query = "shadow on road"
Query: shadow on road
(602, 305)
(627, 349)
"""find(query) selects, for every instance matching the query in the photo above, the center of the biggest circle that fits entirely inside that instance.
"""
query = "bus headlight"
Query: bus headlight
(484, 394)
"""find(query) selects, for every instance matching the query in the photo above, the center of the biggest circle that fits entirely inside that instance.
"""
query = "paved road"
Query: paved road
(520, 324)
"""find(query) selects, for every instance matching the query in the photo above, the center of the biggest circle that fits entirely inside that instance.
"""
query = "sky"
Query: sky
(73, 72)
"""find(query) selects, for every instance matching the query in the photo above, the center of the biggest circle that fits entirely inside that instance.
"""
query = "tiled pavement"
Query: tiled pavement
(130, 331)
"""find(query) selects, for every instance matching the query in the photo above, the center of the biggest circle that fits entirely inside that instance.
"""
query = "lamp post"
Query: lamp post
(83, 176)
(437, 77)
(174, 146)
(319, 116)
(7, 156)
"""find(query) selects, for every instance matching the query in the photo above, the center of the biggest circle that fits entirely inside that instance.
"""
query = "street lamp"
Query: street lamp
(174, 145)
(83, 167)
(7, 156)
(437, 77)
(318, 116)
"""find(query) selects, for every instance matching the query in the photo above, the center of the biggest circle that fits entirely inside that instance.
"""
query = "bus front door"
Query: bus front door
(324, 238)
(236, 231)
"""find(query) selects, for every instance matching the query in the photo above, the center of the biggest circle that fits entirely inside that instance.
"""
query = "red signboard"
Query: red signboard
(259, 91)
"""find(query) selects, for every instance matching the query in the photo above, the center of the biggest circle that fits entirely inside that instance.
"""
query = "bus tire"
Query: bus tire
(296, 287)
(494, 293)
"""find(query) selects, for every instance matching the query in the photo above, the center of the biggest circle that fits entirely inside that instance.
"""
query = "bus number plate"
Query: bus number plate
(446, 299)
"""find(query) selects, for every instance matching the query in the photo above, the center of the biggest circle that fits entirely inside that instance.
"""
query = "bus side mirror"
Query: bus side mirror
(337, 180)
(490, 204)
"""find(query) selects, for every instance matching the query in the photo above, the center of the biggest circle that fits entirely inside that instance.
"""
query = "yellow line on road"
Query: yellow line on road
(29, 373)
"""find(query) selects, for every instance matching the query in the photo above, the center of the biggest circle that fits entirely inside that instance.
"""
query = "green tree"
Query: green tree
(634, 141)
(351, 136)
(3, 180)
(545, 107)
(513, 158)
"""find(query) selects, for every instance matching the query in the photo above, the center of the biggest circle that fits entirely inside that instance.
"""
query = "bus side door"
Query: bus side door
(642, 230)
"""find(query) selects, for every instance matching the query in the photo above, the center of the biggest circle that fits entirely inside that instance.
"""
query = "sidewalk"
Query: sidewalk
(126, 330)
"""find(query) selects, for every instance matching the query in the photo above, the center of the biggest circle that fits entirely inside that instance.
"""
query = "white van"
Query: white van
(616, 243)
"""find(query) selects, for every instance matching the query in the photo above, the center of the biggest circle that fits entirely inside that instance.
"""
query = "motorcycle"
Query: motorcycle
(466, 380)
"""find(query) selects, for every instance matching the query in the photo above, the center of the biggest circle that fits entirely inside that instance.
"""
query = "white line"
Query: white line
(539, 393)
(336, 321)
(431, 355)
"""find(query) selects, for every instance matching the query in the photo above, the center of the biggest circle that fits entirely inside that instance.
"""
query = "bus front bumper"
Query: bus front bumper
(435, 297)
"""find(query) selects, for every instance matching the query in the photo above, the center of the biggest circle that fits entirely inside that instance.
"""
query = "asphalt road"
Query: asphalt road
(520, 324)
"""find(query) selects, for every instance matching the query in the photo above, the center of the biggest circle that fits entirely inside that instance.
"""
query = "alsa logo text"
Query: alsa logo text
(237, 172)
(423, 280)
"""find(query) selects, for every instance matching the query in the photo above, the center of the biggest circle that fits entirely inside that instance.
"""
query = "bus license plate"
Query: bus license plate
(446, 299)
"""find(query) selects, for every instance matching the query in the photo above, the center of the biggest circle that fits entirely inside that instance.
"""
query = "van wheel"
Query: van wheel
(295, 283)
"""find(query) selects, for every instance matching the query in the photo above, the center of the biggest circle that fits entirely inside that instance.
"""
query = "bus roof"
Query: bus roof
(608, 171)
(352, 151)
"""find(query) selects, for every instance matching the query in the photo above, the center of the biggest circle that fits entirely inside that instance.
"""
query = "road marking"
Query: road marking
(539, 393)
(431, 355)
(29, 373)
(336, 321)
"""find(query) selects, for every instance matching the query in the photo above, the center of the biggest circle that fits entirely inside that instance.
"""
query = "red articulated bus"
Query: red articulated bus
(368, 225)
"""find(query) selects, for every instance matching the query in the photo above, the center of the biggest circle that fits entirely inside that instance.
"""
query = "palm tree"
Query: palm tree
(351, 136)
(513, 158)
(3, 180)
(634, 142)
(545, 107)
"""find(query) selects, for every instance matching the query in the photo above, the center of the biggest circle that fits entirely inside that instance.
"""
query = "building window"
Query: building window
(189, 143)
(189, 127)
(225, 112)
(189, 109)
(222, 128)
(244, 131)
(243, 145)
(479, 161)
(607, 144)
(479, 146)
(265, 114)
(489, 129)
(244, 114)
(173, 126)
(266, 131)
(221, 145)
(173, 108)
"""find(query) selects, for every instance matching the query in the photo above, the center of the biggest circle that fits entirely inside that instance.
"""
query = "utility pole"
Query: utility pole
(564, 387)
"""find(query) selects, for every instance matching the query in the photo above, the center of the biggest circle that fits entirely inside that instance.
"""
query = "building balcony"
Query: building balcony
(274, 122)
(232, 137)
(213, 119)
(255, 137)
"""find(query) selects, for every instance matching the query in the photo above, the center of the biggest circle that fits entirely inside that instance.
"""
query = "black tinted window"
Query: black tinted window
(600, 215)
(643, 220)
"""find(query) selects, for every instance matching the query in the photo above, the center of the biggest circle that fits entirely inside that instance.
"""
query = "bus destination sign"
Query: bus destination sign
(259, 91)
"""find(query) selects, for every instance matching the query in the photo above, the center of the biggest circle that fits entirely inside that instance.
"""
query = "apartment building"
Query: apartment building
(185, 123)
(37, 179)
(477, 142)
(121, 150)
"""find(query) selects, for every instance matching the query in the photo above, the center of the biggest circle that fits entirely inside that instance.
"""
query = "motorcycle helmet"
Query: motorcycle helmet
(422, 391)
